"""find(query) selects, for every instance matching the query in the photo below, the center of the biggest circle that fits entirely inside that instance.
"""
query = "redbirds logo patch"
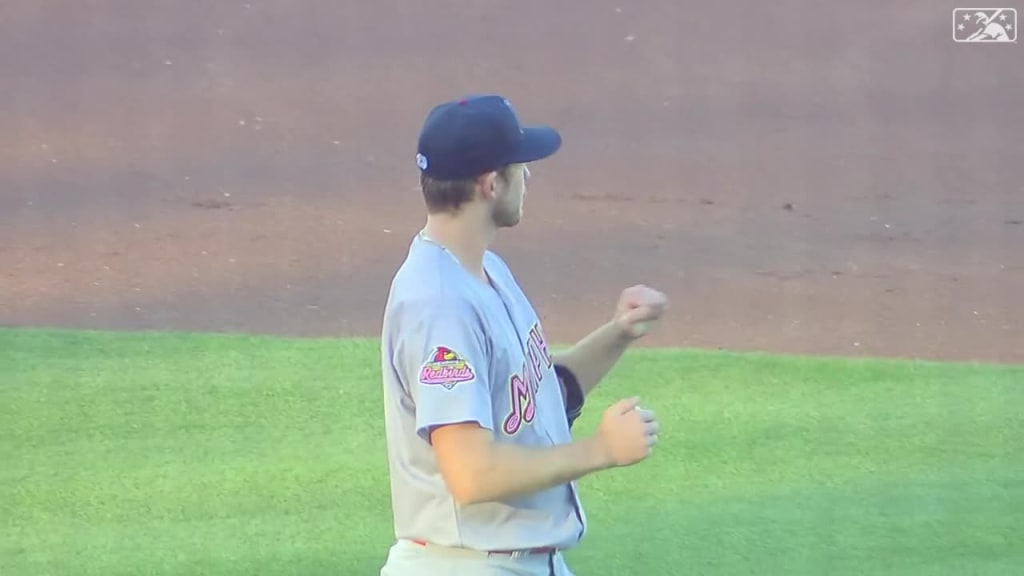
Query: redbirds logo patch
(446, 368)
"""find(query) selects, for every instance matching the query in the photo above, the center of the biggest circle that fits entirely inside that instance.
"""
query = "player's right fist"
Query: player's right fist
(627, 432)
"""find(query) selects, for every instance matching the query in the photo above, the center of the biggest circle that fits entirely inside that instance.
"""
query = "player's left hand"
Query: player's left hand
(639, 307)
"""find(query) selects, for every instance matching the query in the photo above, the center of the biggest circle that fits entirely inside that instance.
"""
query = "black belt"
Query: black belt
(549, 550)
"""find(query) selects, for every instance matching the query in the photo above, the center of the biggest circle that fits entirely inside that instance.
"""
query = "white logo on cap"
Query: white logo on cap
(421, 161)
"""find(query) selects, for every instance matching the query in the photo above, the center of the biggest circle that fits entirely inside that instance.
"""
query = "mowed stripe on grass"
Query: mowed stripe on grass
(224, 454)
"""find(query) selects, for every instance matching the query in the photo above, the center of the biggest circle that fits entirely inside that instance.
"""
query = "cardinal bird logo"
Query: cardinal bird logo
(446, 368)
(445, 355)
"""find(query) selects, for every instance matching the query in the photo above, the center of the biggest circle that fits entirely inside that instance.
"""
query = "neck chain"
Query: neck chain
(423, 235)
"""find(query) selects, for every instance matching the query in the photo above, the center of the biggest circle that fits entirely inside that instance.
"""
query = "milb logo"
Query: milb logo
(985, 25)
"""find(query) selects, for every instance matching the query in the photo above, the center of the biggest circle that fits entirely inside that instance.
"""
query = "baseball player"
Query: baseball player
(478, 410)
(990, 29)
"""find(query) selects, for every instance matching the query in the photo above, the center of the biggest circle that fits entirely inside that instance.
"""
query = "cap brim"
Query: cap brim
(537, 143)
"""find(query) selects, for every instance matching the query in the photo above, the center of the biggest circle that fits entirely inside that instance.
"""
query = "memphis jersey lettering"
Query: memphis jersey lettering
(523, 386)
(446, 368)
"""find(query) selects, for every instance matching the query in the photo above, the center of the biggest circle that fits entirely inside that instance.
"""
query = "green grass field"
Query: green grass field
(182, 454)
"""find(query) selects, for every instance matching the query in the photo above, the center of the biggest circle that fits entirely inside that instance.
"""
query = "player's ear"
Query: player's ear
(488, 185)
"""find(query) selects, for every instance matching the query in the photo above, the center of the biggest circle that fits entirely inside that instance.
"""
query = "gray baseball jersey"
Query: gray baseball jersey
(456, 350)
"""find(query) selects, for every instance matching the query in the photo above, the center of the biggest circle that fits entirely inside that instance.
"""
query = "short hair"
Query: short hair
(446, 195)
(450, 195)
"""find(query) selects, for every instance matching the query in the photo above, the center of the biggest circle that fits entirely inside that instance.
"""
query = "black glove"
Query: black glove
(571, 392)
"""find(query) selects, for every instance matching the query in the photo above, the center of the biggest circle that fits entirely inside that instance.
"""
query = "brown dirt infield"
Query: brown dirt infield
(804, 177)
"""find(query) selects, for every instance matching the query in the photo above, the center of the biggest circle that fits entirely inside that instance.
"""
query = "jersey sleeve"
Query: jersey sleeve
(443, 356)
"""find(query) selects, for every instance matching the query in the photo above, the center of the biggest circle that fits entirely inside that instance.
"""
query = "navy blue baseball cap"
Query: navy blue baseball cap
(466, 138)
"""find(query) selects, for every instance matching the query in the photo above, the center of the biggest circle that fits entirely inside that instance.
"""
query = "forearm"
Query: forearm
(595, 355)
(511, 470)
